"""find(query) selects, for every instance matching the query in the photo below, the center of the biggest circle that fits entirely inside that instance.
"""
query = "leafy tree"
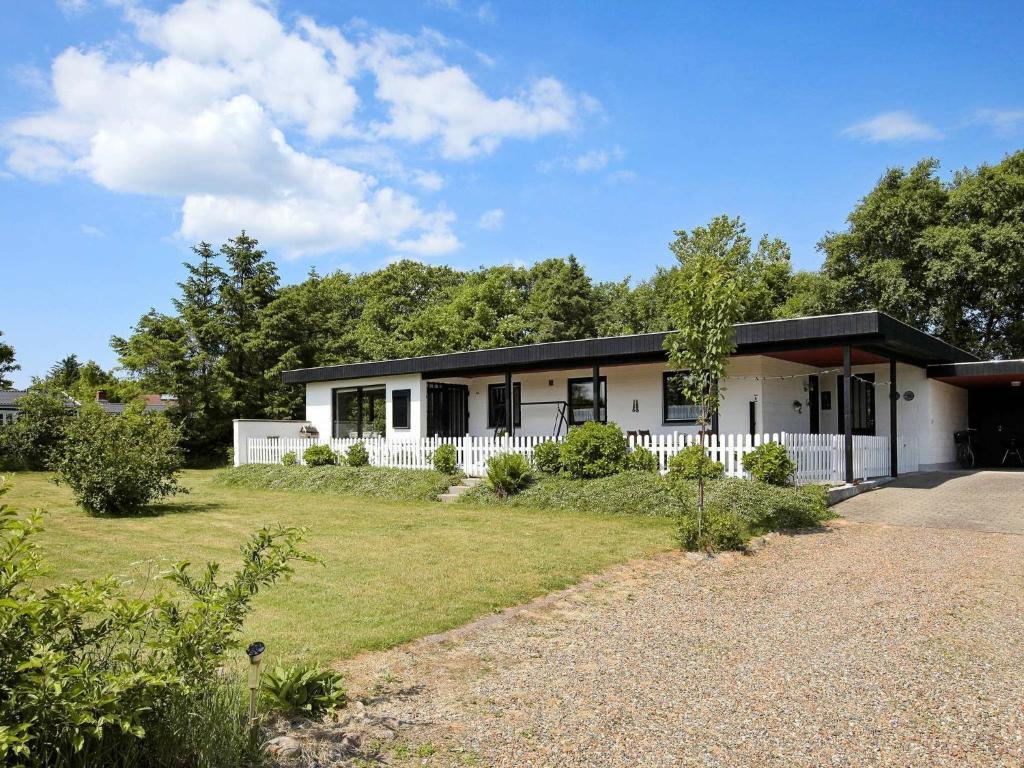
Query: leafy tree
(705, 305)
(561, 302)
(64, 373)
(32, 440)
(7, 364)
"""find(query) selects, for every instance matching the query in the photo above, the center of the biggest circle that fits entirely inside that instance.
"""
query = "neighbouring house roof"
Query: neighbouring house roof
(9, 399)
(874, 334)
(119, 407)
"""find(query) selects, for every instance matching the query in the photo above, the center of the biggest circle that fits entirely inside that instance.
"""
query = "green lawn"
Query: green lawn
(393, 571)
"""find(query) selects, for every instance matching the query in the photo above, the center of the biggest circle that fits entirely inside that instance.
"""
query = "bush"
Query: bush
(641, 459)
(93, 675)
(717, 530)
(303, 688)
(770, 463)
(358, 456)
(115, 465)
(507, 473)
(319, 456)
(289, 459)
(594, 450)
(368, 482)
(445, 459)
(547, 457)
(692, 463)
(31, 442)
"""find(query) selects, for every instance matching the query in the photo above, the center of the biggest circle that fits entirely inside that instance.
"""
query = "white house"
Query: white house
(856, 374)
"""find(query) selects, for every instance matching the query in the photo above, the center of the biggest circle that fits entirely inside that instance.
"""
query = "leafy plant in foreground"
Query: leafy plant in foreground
(445, 459)
(770, 463)
(303, 688)
(507, 473)
(319, 456)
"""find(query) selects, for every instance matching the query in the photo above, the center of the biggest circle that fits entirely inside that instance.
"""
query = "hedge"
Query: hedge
(371, 482)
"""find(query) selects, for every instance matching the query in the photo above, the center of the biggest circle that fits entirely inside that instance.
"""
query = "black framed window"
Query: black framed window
(496, 405)
(401, 402)
(581, 400)
(677, 408)
(358, 412)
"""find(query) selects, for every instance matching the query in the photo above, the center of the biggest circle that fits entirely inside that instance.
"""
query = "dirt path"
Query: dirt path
(862, 645)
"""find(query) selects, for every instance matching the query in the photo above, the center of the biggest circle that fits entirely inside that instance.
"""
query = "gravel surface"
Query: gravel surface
(863, 645)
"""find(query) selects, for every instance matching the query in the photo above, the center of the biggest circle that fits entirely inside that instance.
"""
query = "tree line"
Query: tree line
(944, 256)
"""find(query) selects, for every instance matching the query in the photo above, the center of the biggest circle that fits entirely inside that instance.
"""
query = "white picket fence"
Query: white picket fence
(819, 458)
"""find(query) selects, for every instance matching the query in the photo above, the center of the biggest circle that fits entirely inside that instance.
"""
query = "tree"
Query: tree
(7, 364)
(64, 373)
(561, 303)
(704, 307)
(31, 441)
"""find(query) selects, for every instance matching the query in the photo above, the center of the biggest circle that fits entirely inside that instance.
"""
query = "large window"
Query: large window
(677, 407)
(359, 412)
(581, 400)
(496, 405)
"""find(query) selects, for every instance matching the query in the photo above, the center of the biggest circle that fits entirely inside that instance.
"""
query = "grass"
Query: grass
(393, 572)
(365, 482)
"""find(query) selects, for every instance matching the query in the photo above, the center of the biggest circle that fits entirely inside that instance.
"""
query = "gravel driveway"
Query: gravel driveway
(864, 645)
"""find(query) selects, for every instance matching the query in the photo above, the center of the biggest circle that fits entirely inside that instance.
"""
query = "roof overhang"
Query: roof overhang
(876, 335)
(980, 373)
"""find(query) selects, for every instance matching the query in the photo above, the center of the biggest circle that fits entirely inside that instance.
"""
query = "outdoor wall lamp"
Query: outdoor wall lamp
(798, 407)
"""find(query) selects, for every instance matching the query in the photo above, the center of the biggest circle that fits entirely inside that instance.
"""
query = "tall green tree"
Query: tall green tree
(7, 364)
(64, 373)
(706, 302)
(561, 303)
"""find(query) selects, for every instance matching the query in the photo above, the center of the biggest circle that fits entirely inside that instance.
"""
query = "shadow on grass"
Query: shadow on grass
(165, 508)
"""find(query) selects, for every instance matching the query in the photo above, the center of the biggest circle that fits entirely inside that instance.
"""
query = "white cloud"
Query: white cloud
(210, 117)
(1001, 120)
(588, 162)
(492, 220)
(90, 231)
(73, 7)
(621, 177)
(893, 126)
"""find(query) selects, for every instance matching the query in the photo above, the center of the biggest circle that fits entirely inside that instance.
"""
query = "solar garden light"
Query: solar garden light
(255, 653)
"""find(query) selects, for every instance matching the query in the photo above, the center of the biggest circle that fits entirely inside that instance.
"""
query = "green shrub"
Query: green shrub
(641, 459)
(370, 482)
(319, 456)
(693, 462)
(717, 530)
(770, 463)
(547, 457)
(357, 456)
(116, 465)
(95, 675)
(303, 688)
(31, 442)
(445, 459)
(763, 507)
(289, 459)
(594, 450)
(507, 473)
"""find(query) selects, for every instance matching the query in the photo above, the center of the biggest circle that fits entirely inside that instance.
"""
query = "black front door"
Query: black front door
(447, 409)
(814, 398)
(863, 389)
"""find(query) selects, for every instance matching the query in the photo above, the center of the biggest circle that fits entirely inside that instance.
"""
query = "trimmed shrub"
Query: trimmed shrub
(369, 482)
(116, 465)
(358, 456)
(445, 459)
(594, 450)
(641, 459)
(770, 463)
(547, 457)
(303, 688)
(289, 459)
(319, 456)
(93, 675)
(692, 463)
(719, 529)
(507, 473)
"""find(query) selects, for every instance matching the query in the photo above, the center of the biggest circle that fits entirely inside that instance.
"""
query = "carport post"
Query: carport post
(848, 411)
(894, 453)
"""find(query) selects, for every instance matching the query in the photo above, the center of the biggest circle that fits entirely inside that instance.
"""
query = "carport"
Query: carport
(995, 407)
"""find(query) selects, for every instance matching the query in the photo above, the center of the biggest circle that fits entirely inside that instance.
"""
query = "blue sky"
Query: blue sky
(347, 134)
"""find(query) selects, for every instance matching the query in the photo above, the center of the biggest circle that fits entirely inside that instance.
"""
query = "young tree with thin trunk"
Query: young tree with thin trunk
(705, 303)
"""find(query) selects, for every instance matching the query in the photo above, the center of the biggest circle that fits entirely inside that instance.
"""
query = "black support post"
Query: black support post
(848, 410)
(894, 453)
(510, 422)
(597, 392)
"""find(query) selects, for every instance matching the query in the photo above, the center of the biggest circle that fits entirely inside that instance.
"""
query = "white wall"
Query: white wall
(318, 403)
(244, 430)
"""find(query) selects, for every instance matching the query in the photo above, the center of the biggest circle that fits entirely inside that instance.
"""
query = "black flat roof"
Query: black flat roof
(975, 368)
(871, 331)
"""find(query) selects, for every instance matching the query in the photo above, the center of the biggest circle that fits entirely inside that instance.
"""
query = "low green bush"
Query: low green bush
(764, 507)
(593, 450)
(289, 459)
(641, 459)
(770, 463)
(547, 457)
(357, 456)
(717, 530)
(507, 474)
(371, 482)
(303, 688)
(116, 465)
(445, 459)
(319, 456)
(33, 441)
(693, 462)
(93, 674)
